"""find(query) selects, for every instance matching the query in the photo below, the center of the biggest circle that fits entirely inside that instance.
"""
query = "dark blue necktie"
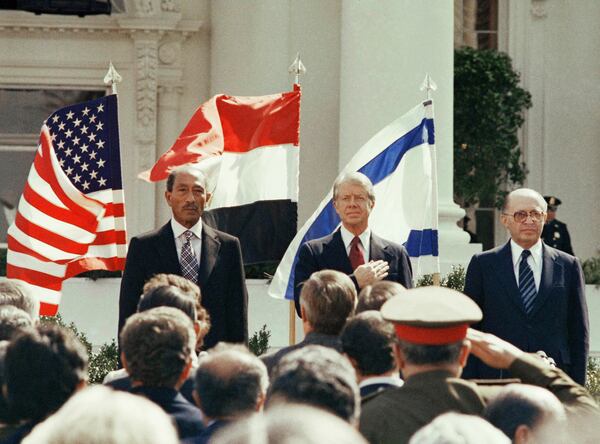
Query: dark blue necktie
(526, 282)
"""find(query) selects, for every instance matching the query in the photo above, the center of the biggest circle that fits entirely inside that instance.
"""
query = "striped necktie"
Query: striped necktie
(526, 282)
(189, 262)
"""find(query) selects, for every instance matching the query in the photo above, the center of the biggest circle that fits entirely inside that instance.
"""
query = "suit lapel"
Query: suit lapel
(377, 249)
(505, 272)
(550, 269)
(167, 252)
(209, 253)
(334, 253)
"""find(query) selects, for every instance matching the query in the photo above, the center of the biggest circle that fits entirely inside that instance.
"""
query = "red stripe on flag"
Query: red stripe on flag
(116, 210)
(34, 277)
(48, 309)
(110, 237)
(95, 263)
(85, 221)
(48, 237)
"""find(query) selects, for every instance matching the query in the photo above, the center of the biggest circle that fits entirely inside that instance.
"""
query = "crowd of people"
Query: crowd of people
(380, 362)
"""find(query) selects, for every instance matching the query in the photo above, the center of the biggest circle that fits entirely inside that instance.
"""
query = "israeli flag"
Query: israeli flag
(400, 160)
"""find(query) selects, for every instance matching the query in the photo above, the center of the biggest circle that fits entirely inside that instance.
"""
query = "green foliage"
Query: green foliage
(259, 342)
(454, 280)
(101, 362)
(488, 111)
(591, 271)
(593, 378)
(261, 270)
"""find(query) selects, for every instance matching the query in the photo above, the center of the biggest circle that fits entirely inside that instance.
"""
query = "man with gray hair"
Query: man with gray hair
(353, 249)
(531, 295)
(17, 294)
(157, 347)
(186, 246)
(230, 383)
(328, 298)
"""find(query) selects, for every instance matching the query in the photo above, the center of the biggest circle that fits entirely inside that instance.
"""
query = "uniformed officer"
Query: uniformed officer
(434, 341)
(555, 233)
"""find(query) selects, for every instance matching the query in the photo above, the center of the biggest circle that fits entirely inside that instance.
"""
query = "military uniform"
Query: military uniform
(555, 233)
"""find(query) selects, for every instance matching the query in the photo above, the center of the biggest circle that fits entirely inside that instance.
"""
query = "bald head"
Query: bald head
(230, 382)
(527, 193)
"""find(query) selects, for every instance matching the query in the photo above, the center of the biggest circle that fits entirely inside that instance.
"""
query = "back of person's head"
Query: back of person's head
(157, 345)
(369, 340)
(327, 299)
(456, 428)
(372, 297)
(230, 382)
(185, 285)
(19, 295)
(318, 376)
(6, 415)
(43, 368)
(521, 409)
(168, 296)
(99, 415)
(12, 321)
(419, 354)
(290, 424)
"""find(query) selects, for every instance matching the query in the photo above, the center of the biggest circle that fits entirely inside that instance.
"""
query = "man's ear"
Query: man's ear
(302, 312)
(260, 402)
(208, 197)
(124, 362)
(522, 435)
(400, 357)
(465, 349)
(168, 197)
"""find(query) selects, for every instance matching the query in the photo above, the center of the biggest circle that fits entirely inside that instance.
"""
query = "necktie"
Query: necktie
(526, 282)
(356, 256)
(189, 263)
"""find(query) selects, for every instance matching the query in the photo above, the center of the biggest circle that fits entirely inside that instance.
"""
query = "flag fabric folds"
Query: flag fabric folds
(400, 160)
(71, 215)
(248, 149)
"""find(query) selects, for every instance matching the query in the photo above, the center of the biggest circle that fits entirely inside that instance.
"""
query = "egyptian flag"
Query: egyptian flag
(248, 149)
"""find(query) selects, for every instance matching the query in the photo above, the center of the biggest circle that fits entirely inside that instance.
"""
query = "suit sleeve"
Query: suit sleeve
(405, 272)
(237, 300)
(131, 283)
(578, 325)
(474, 290)
(305, 266)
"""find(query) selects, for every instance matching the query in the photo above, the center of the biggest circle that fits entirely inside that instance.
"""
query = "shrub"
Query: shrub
(259, 342)
(591, 271)
(454, 280)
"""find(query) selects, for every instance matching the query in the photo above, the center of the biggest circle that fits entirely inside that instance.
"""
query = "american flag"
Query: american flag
(71, 215)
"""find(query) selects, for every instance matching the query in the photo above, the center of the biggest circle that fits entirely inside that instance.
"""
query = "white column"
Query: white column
(387, 48)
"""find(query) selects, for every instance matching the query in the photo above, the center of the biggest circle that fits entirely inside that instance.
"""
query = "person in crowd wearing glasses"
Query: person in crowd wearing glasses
(531, 294)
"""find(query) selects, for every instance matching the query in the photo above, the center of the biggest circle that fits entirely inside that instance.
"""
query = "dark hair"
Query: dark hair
(372, 297)
(168, 296)
(12, 321)
(328, 298)
(318, 376)
(418, 354)
(519, 404)
(157, 345)
(186, 169)
(6, 415)
(43, 368)
(15, 294)
(230, 381)
(369, 340)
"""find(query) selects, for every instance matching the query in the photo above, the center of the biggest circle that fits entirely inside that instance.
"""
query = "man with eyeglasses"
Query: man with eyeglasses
(353, 249)
(531, 295)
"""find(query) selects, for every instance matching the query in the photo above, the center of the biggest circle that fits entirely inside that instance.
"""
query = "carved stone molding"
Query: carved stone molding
(538, 9)
(146, 95)
(169, 52)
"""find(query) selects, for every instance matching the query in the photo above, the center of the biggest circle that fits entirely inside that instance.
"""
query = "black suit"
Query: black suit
(329, 253)
(558, 321)
(221, 279)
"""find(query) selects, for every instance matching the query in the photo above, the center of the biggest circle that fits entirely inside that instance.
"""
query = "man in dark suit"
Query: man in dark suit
(187, 247)
(531, 295)
(353, 249)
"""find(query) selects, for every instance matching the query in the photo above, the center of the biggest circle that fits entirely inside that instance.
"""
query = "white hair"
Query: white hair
(456, 428)
(99, 415)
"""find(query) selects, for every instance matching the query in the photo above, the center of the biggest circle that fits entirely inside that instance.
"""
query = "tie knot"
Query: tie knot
(355, 242)
(188, 235)
(525, 254)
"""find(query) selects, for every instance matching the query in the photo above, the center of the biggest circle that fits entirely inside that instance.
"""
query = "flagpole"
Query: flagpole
(111, 78)
(297, 68)
(429, 85)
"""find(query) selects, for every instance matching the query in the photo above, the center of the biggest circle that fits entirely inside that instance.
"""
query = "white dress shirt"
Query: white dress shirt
(365, 241)
(534, 260)
(196, 241)
(391, 380)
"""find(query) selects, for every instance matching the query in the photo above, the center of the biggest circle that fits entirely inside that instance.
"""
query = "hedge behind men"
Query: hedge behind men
(186, 246)
(531, 295)
(353, 249)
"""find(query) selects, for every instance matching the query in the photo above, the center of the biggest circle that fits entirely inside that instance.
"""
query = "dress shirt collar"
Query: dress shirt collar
(179, 229)
(390, 380)
(536, 252)
(365, 239)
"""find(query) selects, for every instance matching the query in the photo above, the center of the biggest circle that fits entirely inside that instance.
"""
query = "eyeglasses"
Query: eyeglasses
(521, 216)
